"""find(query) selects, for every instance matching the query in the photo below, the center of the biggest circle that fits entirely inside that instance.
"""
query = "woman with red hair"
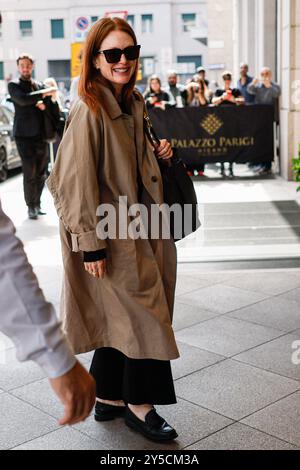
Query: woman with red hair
(118, 293)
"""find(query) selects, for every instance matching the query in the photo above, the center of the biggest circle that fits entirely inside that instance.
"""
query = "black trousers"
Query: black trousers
(34, 155)
(136, 381)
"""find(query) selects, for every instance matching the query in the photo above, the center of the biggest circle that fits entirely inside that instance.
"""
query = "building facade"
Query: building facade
(173, 33)
(267, 33)
(220, 38)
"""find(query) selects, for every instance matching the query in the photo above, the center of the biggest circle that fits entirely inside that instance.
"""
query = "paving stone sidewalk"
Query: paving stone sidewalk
(236, 385)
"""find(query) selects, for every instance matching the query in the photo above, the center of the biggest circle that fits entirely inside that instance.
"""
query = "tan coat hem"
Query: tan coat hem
(101, 344)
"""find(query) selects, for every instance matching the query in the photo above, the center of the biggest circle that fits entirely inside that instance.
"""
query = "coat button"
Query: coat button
(154, 179)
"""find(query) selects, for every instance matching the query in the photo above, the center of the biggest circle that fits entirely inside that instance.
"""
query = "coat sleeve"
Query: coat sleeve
(74, 180)
(276, 90)
(21, 98)
(25, 316)
(252, 89)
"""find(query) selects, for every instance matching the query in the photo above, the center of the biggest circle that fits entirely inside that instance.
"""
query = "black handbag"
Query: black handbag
(54, 121)
(178, 189)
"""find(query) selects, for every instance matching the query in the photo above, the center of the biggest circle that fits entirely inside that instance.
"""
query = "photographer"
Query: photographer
(230, 97)
(227, 95)
(154, 96)
(265, 91)
(176, 90)
(201, 75)
(197, 94)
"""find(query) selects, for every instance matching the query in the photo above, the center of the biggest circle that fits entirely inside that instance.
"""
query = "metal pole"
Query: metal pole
(51, 151)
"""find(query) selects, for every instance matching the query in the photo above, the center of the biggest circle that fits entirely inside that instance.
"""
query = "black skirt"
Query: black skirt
(135, 381)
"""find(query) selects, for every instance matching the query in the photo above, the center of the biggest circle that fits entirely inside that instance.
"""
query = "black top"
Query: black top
(29, 120)
(235, 92)
(161, 96)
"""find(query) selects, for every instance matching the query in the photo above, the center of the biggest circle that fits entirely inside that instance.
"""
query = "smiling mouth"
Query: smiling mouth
(121, 69)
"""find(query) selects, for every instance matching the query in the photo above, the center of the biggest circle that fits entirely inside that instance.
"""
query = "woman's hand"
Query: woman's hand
(153, 99)
(41, 106)
(96, 268)
(164, 151)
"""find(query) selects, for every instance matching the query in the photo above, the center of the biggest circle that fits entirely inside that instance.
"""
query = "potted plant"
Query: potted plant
(296, 168)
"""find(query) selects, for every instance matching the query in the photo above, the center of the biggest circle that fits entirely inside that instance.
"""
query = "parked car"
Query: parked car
(9, 156)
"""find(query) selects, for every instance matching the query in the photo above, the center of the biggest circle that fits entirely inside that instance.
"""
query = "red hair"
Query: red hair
(90, 78)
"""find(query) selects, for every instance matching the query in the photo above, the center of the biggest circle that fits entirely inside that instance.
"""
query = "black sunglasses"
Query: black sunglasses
(113, 56)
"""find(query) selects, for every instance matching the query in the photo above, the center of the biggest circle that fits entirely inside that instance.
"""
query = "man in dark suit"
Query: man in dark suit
(29, 132)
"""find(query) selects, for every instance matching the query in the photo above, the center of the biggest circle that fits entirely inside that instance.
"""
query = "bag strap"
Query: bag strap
(154, 140)
(149, 131)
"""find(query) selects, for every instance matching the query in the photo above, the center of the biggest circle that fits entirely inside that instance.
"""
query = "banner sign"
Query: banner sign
(218, 134)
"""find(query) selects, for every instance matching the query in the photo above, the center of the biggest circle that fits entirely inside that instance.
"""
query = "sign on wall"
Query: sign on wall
(76, 54)
(120, 14)
(82, 26)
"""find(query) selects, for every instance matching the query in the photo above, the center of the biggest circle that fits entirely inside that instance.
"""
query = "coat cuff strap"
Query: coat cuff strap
(87, 241)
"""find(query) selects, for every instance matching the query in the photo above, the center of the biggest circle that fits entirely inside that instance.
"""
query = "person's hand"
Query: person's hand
(41, 106)
(224, 97)
(164, 151)
(240, 101)
(96, 268)
(267, 82)
(231, 98)
(160, 105)
(77, 391)
(153, 99)
(255, 81)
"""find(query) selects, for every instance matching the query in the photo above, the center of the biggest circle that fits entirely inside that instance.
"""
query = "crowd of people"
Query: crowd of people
(198, 91)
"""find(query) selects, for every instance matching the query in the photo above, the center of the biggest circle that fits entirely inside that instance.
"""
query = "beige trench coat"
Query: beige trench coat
(131, 309)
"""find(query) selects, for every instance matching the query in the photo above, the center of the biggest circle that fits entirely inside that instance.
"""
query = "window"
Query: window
(1, 71)
(61, 70)
(57, 29)
(94, 19)
(188, 21)
(147, 23)
(187, 64)
(130, 20)
(147, 64)
(25, 28)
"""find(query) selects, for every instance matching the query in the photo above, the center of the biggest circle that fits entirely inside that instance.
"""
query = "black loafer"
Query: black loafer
(106, 412)
(154, 427)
